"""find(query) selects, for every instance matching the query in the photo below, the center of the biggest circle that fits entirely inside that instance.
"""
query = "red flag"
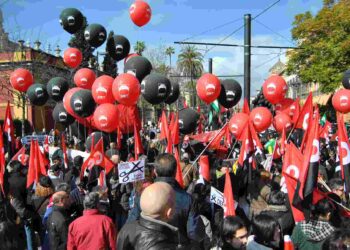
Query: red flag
(344, 152)
(245, 147)
(216, 143)
(8, 126)
(291, 170)
(311, 157)
(41, 162)
(138, 148)
(64, 149)
(256, 143)
(204, 169)
(276, 154)
(200, 127)
(178, 176)
(229, 207)
(99, 146)
(21, 156)
(185, 103)
(2, 162)
(102, 179)
(288, 244)
(119, 139)
(324, 133)
(175, 130)
(246, 109)
(46, 144)
(164, 130)
(305, 114)
(31, 167)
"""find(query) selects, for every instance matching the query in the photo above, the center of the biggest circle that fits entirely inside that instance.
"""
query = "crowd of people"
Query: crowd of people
(68, 209)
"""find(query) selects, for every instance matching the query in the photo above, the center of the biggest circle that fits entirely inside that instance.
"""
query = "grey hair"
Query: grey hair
(91, 200)
(63, 187)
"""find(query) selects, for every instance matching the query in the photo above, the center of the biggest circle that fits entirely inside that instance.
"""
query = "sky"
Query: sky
(172, 20)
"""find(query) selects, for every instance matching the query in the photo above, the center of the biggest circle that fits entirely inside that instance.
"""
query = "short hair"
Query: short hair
(16, 166)
(166, 165)
(322, 208)
(91, 200)
(276, 198)
(335, 183)
(264, 227)
(63, 187)
(229, 227)
(340, 239)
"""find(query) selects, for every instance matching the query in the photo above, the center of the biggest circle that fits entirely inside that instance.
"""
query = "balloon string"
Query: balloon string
(42, 117)
(78, 131)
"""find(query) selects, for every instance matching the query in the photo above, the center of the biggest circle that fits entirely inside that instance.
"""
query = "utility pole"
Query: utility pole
(247, 55)
(210, 66)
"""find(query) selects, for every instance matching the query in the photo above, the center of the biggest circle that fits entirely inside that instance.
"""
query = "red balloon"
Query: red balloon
(130, 56)
(72, 57)
(102, 90)
(341, 101)
(284, 105)
(126, 89)
(140, 13)
(261, 118)
(21, 79)
(237, 123)
(281, 121)
(208, 88)
(66, 100)
(84, 78)
(106, 117)
(274, 89)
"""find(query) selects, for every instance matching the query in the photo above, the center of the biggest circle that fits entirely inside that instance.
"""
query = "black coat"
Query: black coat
(57, 227)
(283, 216)
(147, 233)
(18, 186)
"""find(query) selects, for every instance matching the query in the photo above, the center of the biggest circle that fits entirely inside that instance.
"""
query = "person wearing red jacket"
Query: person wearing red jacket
(92, 230)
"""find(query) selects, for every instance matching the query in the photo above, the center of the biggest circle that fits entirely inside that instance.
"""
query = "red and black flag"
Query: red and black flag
(344, 152)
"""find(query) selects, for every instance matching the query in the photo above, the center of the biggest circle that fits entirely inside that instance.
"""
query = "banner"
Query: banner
(217, 197)
(131, 171)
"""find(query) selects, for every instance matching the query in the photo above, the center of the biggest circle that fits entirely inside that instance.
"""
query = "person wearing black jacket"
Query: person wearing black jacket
(151, 230)
(58, 221)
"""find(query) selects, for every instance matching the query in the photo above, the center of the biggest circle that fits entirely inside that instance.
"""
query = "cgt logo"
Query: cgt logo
(293, 171)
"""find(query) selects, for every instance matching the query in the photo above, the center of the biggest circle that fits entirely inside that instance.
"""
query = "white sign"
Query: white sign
(131, 171)
(217, 197)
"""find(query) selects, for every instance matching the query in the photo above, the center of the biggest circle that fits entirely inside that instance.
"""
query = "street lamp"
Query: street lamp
(23, 96)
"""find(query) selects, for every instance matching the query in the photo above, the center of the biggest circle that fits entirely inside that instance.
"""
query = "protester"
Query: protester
(311, 234)
(152, 230)
(233, 235)
(266, 234)
(58, 221)
(92, 230)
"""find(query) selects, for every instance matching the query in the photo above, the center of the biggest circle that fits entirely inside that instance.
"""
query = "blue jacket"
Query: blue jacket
(188, 223)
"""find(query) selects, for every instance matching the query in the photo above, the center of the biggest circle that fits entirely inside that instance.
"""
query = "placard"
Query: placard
(131, 171)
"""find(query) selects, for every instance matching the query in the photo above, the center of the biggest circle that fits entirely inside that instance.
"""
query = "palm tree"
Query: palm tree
(170, 51)
(139, 47)
(190, 64)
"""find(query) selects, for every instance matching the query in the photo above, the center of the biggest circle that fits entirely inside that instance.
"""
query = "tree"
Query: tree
(140, 47)
(190, 64)
(78, 41)
(325, 42)
(170, 51)
(109, 64)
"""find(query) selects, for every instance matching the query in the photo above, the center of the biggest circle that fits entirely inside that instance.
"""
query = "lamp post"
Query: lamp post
(23, 96)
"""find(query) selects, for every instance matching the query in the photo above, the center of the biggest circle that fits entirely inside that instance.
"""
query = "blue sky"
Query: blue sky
(172, 20)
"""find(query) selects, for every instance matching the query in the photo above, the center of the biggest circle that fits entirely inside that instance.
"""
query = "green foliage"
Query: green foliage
(140, 47)
(325, 39)
(190, 61)
(78, 41)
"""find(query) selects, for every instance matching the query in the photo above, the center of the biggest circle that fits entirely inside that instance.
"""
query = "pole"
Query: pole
(23, 114)
(210, 65)
(247, 55)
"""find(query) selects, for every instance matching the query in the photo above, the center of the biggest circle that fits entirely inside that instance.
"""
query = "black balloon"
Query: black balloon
(83, 103)
(57, 87)
(174, 93)
(230, 94)
(97, 136)
(155, 88)
(118, 47)
(37, 94)
(71, 20)
(188, 119)
(60, 115)
(346, 79)
(139, 66)
(95, 34)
